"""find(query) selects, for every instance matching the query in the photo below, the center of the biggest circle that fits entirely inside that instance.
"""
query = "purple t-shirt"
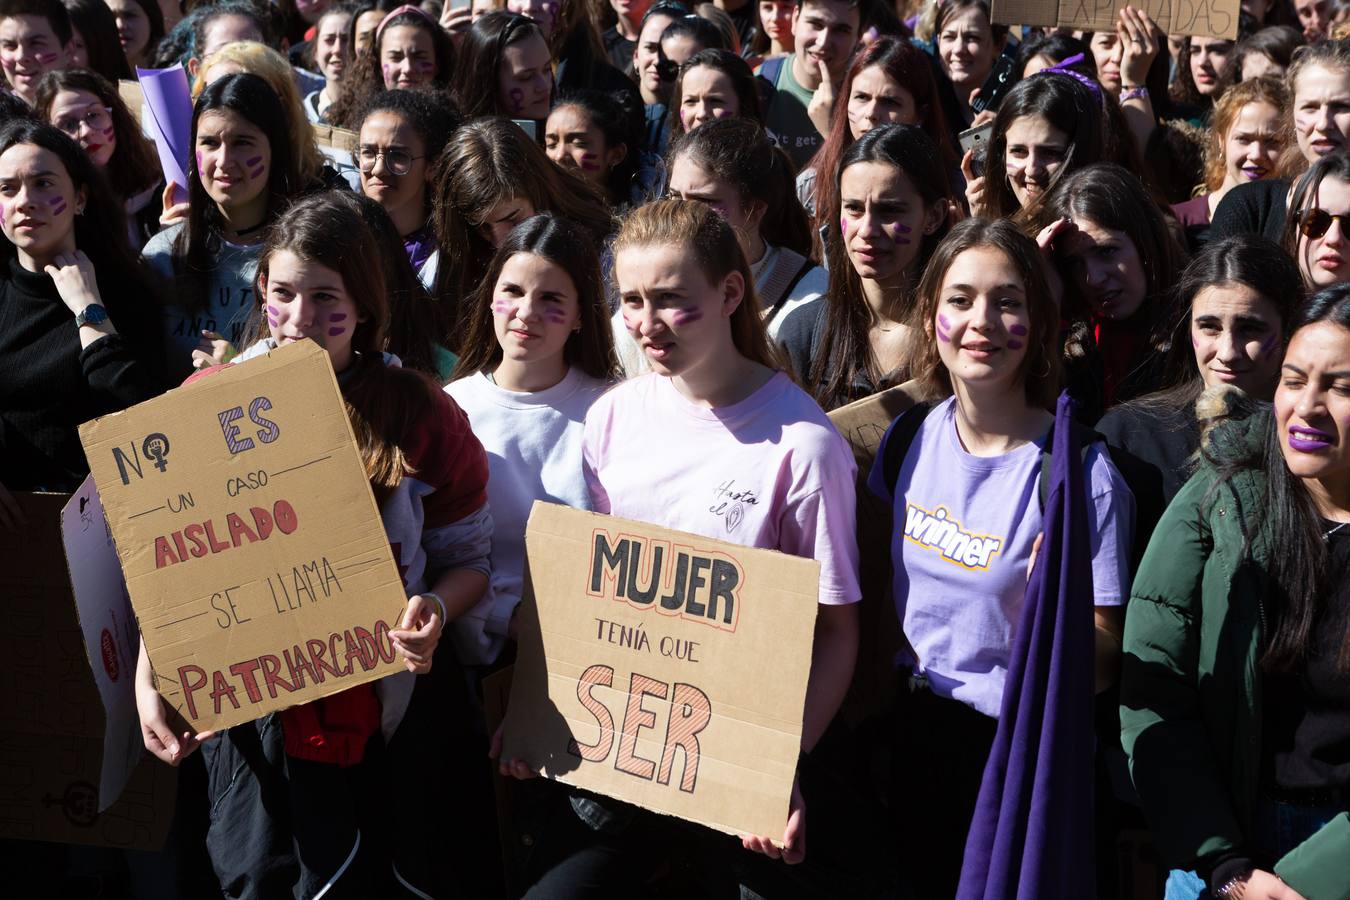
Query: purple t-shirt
(964, 528)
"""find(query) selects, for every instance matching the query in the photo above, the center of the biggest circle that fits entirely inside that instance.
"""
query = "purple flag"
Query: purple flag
(1032, 834)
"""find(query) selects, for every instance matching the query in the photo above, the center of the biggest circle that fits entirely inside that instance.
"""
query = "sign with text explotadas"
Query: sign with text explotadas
(253, 551)
(662, 668)
(1207, 18)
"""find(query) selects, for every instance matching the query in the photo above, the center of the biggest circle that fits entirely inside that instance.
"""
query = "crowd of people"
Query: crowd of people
(627, 256)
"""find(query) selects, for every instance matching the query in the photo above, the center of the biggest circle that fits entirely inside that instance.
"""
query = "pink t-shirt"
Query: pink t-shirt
(769, 472)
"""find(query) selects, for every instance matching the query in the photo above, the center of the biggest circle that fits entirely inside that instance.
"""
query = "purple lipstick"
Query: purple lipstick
(1309, 440)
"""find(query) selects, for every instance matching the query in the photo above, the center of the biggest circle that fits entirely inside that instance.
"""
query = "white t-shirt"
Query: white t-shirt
(533, 444)
(770, 471)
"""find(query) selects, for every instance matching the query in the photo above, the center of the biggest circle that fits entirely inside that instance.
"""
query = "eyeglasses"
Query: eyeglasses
(398, 162)
(1316, 222)
(98, 118)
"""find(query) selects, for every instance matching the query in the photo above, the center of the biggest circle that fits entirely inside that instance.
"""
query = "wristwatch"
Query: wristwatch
(93, 314)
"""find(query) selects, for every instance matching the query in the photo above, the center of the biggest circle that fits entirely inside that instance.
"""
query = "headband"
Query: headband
(1062, 68)
(405, 8)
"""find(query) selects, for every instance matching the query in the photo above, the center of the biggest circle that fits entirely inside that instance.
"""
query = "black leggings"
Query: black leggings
(937, 761)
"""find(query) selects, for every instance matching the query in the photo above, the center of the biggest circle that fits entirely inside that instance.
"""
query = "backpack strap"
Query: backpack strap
(789, 267)
(1086, 438)
(898, 441)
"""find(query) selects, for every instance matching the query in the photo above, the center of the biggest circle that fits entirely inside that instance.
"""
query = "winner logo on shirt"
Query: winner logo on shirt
(934, 531)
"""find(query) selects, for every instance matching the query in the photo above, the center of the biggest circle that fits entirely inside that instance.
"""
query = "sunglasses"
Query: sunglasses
(1316, 222)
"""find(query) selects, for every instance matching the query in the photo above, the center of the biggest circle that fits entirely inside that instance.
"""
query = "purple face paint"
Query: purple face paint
(426, 67)
(943, 336)
(108, 133)
(687, 315)
(334, 332)
(58, 206)
(1269, 344)
(1019, 330)
(517, 98)
(1014, 344)
(588, 162)
(501, 307)
(273, 315)
(843, 225)
(199, 162)
(46, 59)
(337, 317)
(630, 324)
(943, 321)
(898, 231)
(255, 166)
(556, 316)
(388, 71)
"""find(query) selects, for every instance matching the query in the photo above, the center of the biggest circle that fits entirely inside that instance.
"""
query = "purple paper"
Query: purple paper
(169, 105)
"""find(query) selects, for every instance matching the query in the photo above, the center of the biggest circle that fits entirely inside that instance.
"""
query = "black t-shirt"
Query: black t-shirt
(1307, 713)
(1258, 207)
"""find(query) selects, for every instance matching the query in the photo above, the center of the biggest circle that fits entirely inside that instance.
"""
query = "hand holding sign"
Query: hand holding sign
(158, 735)
(793, 850)
(417, 635)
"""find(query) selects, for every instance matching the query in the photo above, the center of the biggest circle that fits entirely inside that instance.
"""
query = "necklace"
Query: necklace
(1326, 536)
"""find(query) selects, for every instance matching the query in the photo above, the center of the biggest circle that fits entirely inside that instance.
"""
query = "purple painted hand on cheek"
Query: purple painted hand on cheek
(944, 329)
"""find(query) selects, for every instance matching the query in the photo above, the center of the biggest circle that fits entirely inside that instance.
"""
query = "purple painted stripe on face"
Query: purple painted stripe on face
(944, 322)
(337, 317)
(943, 336)
(556, 316)
(257, 172)
(254, 161)
(1014, 344)
(1019, 330)
(58, 206)
(273, 322)
(685, 316)
(334, 332)
(1269, 344)
(501, 307)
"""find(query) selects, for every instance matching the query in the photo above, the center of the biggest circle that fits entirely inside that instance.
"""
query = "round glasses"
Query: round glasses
(398, 162)
(98, 118)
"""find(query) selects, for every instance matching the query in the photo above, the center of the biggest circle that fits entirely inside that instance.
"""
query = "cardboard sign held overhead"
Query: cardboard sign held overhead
(662, 668)
(253, 551)
(54, 747)
(1207, 18)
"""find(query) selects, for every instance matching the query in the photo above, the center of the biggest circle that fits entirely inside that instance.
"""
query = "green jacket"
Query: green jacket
(1190, 688)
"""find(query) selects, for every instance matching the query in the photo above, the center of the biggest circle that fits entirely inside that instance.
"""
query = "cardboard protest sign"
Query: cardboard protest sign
(253, 551)
(1208, 18)
(52, 724)
(863, 424)
(662, 668)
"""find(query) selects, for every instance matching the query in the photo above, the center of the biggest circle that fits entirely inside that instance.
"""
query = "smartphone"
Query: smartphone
(976, 140)
(459, 4)
(999, 82)
(530, 127)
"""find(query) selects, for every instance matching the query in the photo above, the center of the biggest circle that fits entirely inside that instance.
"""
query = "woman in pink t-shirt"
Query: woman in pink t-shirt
(718, 441)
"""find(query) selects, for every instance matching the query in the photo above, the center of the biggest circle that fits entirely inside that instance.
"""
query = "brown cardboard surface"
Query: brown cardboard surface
(694, 711)
(254, 554)
(1210, 18)
(863, 424)
(51, 718)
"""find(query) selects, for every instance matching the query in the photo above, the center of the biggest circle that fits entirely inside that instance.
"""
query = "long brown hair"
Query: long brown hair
(567, 246)
(133, 167)
(698, 230)
(907, 66)
(367, 79)
(1039, 372)
(844, 352)
(384, 403)
(489, 160)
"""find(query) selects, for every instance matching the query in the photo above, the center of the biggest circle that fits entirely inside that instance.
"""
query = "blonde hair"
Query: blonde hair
(269, 65)
(696, 229)
(1333, 55)
(1264, 89)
